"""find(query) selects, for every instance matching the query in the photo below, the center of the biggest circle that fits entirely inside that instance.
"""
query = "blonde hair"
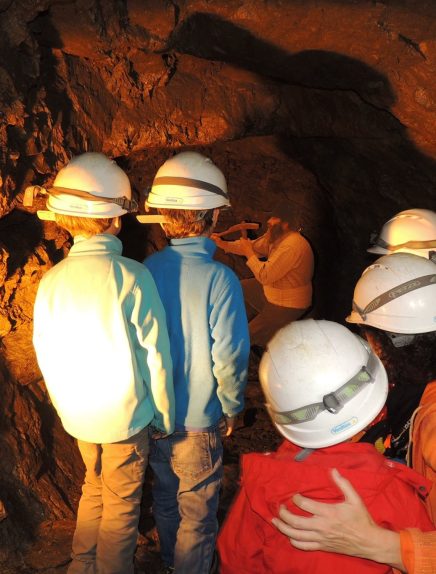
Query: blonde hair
(184, 222)
(87, 226)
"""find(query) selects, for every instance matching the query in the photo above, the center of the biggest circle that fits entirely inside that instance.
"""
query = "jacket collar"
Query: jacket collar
(97, 244)
(198, 244)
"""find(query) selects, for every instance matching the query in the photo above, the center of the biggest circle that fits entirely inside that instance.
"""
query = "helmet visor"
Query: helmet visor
(332, 402)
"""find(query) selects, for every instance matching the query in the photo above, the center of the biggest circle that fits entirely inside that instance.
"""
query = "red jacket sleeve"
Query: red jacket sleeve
(241, 539)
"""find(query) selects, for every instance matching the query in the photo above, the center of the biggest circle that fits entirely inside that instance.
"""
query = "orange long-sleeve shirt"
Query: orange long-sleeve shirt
(423, 440)
(286, 275)
(418, 551)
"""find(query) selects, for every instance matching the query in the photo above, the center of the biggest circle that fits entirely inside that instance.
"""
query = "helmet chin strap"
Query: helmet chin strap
(403, 340)
(303, 454)
(400, 339)
(201, 214)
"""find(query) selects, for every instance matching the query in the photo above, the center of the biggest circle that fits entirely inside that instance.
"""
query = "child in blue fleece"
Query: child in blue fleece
(209, 344)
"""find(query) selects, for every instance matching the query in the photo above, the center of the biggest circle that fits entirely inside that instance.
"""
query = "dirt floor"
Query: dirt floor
(50, 554)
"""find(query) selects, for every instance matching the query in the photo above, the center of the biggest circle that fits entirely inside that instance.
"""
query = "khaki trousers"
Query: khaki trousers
(265, 318)
(107, 520)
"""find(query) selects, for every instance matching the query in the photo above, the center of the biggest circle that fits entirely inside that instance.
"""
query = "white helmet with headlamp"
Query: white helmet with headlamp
(410, 231)
(397, 294)
(322, 383)
(188, 180)
(90, 185)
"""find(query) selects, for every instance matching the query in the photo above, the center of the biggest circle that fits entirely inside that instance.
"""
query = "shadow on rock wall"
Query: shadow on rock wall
(334, 119)
(39, 464)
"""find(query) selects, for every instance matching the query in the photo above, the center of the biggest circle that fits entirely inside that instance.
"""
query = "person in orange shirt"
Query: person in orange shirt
(282, 263)
(422, 446)
(395, 304)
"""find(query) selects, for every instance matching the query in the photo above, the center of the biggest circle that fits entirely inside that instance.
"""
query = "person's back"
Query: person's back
(103, 349)
(208, 332)
(322, 386)
(92, 363)
(248, 541)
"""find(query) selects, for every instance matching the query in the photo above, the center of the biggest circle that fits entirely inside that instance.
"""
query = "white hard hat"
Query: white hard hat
(188, 180)
(397, 294)
(322, 383)
(410, 231)
(90, 185)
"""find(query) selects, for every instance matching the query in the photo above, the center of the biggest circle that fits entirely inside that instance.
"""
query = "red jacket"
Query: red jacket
(250, 544)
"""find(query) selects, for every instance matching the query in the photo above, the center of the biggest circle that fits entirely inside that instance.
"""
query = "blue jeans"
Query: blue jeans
(188, 468)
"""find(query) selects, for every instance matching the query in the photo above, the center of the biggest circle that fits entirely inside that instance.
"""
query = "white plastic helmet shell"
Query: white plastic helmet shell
(93, 173)
(397, 294)
(407, 232)
(188, 180)
(309, 359)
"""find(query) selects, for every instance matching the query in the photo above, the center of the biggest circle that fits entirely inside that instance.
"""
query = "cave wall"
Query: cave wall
(329, 103)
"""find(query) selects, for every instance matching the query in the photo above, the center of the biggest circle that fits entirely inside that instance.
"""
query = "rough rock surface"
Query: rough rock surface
(328, 103)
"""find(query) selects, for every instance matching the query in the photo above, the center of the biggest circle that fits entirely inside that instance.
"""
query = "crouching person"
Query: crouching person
(322, 385)
(102, 345)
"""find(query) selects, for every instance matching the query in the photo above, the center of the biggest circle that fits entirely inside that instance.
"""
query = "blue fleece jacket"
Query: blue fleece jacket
(207, 325)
